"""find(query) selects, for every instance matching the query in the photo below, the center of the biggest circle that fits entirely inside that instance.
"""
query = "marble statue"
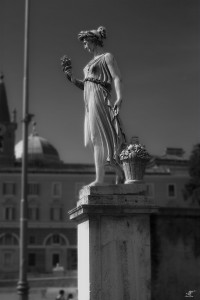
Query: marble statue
(102, 127)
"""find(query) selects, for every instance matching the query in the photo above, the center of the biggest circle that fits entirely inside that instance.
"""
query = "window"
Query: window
(72, 259)
(8, 259)
(56, 213)
(9, 214)
(171, 190)
(8, 239)
(1, 143)
(9, 188)
(55, 259)
(56, 189)
(150, 190)
(32, 240)
(31, 259)
(33, 213)
(33, 189)
(55, 239)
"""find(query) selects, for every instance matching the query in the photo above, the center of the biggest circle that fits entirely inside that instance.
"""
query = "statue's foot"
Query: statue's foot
(95, 183)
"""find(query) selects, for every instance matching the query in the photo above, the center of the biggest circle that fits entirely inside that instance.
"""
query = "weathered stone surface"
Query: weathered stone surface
(113, 243)
(128, 200)
(119, 189)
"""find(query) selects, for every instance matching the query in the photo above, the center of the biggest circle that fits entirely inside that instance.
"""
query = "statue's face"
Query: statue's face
(89, 45)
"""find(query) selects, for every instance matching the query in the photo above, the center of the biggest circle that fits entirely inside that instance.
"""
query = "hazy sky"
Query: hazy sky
(156, 44)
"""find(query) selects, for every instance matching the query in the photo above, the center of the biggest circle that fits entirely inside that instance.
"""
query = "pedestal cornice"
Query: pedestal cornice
(116, 200)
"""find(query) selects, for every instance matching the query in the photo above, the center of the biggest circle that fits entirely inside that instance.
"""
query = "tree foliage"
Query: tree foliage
(192, 188)
(194, 162)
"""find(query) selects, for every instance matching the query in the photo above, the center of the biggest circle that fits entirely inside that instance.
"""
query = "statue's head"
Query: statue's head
(96, 36)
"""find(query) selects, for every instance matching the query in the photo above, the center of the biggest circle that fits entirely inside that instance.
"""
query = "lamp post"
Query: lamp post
(22, 287)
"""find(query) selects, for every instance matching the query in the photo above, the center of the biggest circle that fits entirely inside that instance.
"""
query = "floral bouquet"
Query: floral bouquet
(66, 63)
(134, 159)
(66, 66)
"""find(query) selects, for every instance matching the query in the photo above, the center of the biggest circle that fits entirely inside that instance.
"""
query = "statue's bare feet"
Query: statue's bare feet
(95, 183)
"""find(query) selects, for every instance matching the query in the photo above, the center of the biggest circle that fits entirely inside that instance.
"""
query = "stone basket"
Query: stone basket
(134, 169)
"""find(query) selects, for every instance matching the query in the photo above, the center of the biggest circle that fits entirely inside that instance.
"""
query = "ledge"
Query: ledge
(112, 200)
(118, 189)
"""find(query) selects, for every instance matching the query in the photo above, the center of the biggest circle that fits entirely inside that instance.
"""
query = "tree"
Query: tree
(192, 188)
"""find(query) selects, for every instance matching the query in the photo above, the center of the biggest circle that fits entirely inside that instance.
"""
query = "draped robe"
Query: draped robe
(101, 123)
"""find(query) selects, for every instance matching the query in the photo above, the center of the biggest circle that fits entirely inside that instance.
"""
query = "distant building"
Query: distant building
(166, 177)
(53, 188)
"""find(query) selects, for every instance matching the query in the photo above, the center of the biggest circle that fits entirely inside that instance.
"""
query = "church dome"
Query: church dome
(39, 150)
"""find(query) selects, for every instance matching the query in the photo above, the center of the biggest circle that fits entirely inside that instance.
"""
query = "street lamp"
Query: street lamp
(22, 286)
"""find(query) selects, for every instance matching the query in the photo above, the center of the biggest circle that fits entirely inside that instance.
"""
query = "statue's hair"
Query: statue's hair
(94, 35)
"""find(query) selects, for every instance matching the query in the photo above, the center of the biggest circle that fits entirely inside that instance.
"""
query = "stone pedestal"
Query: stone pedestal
(113, 242)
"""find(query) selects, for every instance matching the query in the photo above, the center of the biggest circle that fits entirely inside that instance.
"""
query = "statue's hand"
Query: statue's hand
(69, 75)
(117, 106)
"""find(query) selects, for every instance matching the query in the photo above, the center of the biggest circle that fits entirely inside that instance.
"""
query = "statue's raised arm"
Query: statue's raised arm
(67, 69)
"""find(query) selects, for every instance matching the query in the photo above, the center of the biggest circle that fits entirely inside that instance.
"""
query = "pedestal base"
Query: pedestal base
(113, 243)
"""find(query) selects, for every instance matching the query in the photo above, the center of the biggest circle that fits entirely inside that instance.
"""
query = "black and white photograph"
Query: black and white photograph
(99, 149)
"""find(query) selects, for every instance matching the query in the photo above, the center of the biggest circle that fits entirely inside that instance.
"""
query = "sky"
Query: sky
(155, 43)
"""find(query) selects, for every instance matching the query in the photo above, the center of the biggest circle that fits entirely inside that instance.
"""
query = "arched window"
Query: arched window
(8, 239)
(56, 239)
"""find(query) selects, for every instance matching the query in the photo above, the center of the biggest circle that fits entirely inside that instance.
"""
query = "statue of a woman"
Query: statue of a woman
(102, 125)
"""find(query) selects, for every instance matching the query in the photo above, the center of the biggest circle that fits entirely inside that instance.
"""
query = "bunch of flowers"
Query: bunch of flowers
(67, 66)
(66, 63)
(134, 151)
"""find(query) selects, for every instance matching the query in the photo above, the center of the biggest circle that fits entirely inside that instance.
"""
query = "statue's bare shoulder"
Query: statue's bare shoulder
(112, 65)
(109, 57)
